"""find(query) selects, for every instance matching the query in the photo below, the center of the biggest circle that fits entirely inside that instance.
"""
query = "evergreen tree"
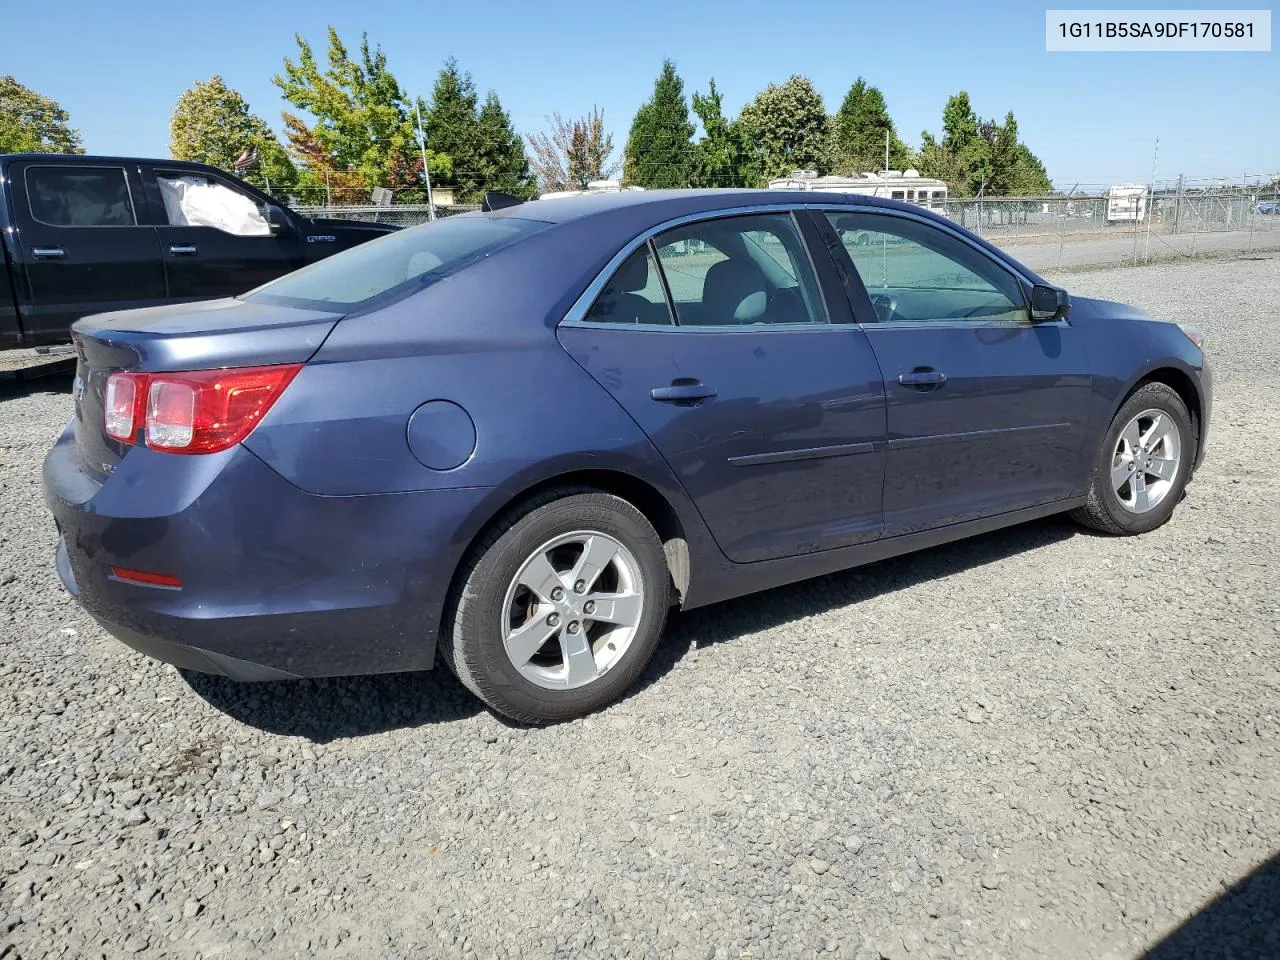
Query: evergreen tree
(659, 149)
(453, 128)
(860, 126)
(502, 160)
(981, 156)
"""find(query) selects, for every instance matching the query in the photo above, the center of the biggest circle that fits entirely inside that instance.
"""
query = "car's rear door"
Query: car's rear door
(84, 243)
(214, 234)
(986, 409)
(771, 415)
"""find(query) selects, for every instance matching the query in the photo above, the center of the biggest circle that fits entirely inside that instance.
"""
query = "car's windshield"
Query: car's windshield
(395, 265)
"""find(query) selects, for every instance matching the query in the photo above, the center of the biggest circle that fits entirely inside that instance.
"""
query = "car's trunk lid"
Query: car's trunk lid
(193, 336)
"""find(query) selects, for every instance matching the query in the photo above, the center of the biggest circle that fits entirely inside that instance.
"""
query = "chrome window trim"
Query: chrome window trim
(574, 317)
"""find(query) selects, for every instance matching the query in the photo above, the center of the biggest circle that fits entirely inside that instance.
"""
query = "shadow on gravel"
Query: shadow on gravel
(340, 707)
(11, 387)
(1244, 922)
(729, 620)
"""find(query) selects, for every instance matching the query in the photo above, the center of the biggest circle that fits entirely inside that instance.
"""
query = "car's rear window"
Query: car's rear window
(396, 265)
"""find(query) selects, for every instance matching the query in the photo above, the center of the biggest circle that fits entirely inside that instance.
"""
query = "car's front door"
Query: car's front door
(84, 247)
(986, 409)
(215, 236)
(771, 416)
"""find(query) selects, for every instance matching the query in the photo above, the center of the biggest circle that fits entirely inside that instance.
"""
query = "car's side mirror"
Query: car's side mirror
(277, 219)
(1049, 303)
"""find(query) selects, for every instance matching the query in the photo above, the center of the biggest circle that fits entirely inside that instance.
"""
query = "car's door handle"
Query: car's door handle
(922, 377)
(683, 392)
(183, 249)
(48, 253)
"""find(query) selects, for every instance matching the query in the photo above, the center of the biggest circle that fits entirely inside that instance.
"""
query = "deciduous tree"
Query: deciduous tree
(362, 135)
(573, 153)
(720, 158)
(787, 127)
(33, 123)
(211, 123)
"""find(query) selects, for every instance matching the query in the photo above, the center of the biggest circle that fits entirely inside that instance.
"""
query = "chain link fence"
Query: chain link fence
(1046, 233)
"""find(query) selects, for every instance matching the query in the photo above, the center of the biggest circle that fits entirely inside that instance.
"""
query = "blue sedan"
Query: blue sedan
(517, 438)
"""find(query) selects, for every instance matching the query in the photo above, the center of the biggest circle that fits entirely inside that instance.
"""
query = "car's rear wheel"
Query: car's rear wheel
(1142, 467)
(559, 607)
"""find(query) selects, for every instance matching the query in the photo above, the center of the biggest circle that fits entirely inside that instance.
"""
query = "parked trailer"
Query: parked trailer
(1126, 203)
(905, 185)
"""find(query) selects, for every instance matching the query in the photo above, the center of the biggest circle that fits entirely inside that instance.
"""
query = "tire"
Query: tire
(1116, 510)
(494, 608)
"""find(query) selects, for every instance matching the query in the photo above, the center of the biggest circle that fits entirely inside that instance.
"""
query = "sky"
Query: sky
(1093, 118)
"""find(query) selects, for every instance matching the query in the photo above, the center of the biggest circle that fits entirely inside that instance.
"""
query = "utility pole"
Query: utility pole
(886, 149)
(422, 145)
(1151, 199)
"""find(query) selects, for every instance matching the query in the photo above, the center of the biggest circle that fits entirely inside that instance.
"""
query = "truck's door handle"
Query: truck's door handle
(923, 377)
(183, 249)
(685, 392)
(48, 253)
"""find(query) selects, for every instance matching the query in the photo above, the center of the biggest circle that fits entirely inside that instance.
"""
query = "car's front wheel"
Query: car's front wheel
(559, 607)
(1143, 464)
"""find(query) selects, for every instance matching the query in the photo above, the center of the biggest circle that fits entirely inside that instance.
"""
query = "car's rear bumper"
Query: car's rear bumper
(276, 582)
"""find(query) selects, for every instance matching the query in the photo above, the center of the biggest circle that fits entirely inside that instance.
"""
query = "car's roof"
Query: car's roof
(92, 158)
(669, 204)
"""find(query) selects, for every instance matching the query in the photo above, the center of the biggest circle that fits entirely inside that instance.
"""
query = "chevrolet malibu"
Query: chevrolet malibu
(518, 437)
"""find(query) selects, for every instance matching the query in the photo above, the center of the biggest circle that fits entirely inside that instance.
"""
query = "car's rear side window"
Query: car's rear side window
(395, 265)
(80, 196)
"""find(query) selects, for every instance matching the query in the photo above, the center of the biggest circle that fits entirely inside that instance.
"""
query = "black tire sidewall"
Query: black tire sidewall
(1151, 396)
(477, 640)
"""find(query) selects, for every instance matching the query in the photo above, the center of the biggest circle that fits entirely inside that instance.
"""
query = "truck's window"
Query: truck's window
(80, 196)
(396, 265)
(192, 200)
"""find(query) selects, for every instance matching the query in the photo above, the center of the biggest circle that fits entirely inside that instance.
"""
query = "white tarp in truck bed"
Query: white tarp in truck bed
(194, 202)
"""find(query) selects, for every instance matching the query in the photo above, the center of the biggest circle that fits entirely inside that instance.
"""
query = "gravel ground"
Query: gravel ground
(1039, 743)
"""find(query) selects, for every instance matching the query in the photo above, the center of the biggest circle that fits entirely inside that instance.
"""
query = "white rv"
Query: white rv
(595, 186)
(1126, 202)
(905, 185)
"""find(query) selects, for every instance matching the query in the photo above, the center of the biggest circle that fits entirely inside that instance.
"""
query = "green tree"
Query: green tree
(860, 127)
(981, 156)
(502, 161)
(659, 150)
(720, 159)
(211, 123)
(33, 123)
(787, 127)
(573, 153)
(453, 129)
(363, 134)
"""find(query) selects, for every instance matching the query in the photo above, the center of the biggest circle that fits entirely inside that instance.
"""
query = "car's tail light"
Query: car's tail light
(121, 406)
(200, 411)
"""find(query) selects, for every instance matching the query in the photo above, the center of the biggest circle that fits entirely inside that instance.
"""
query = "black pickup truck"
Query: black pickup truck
(82, 235)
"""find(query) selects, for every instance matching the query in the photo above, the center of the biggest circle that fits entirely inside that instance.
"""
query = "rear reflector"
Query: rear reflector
(200, 411)
(146, 578)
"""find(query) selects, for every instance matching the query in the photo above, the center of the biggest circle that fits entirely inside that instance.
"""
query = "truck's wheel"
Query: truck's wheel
(560, 607)
(1142, 466)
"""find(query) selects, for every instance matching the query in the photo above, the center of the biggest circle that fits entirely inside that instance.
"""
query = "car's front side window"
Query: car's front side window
(917, 273)
(740, 270)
